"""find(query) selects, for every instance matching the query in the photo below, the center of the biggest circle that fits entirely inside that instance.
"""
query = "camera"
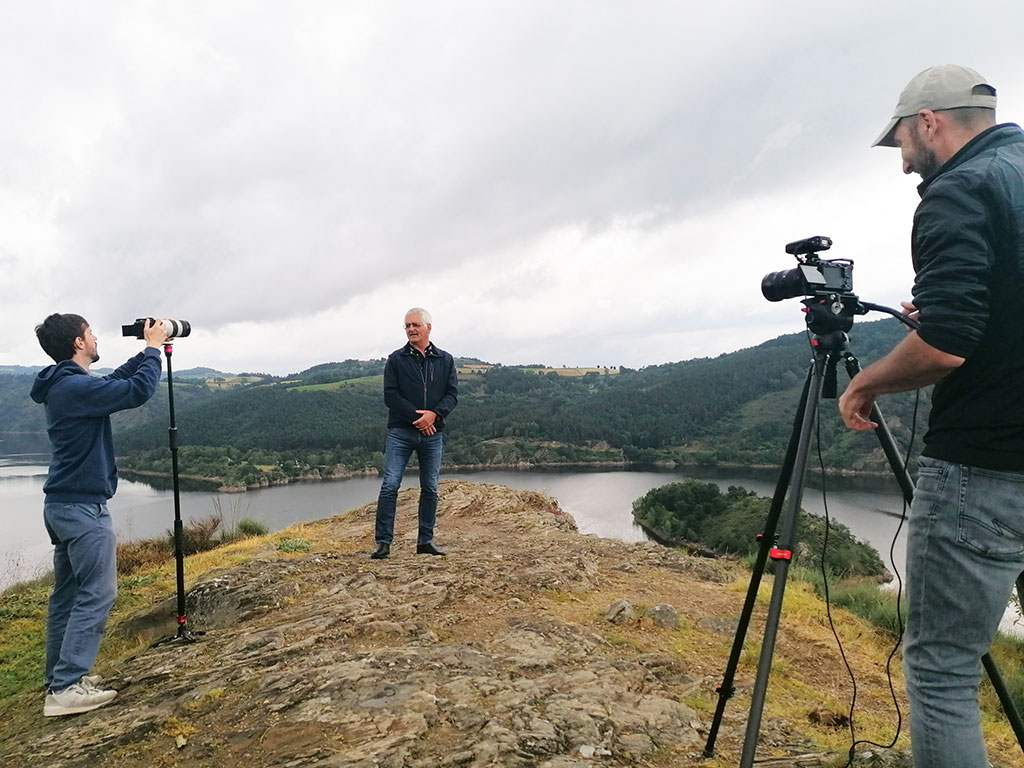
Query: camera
(812, 276)
(173, 328)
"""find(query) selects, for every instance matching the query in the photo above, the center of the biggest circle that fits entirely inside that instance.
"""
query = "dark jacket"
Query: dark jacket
(78, 408)
(968, 249)
(413, 381)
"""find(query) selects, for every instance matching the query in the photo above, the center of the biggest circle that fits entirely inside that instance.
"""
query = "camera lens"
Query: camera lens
(786, 284)
(177, 328)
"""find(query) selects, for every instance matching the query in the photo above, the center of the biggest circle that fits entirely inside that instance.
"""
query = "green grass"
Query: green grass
(1008, 654)
(249, 527)
(364, 382)
(293, 545)
(864, 598)
(22, 636)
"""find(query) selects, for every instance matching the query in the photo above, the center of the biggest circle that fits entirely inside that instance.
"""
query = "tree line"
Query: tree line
(736, 409)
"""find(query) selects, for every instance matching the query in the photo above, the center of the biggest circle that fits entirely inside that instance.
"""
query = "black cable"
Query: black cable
(899, 610)
(824, 581)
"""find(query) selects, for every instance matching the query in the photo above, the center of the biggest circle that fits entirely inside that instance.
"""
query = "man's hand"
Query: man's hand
(155, 333)
(855, 408)
(425, 423)
(913, 364)
(910, 311)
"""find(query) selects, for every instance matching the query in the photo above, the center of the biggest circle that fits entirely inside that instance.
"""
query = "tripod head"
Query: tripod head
(830, 311)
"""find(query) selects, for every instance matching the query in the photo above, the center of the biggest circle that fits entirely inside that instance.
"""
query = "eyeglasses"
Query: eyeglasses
(414, 325)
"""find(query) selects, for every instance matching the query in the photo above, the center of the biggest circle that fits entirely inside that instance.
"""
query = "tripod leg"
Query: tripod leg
(885, 439)
(782, 554)
(726, 689)
(183, 634)
(1005, 699)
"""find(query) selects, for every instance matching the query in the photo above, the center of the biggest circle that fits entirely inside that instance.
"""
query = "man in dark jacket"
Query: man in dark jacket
(420, 389)
(82, 477)
(965, 544)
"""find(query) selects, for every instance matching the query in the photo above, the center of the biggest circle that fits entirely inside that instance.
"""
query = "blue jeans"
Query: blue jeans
(399, 447)
(965, 549)
(84, 588)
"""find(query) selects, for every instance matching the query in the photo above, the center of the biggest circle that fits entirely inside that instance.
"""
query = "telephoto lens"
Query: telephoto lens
(174, 329)
(177, 328)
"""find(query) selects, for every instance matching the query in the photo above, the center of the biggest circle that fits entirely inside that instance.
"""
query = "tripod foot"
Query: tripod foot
(184, 637)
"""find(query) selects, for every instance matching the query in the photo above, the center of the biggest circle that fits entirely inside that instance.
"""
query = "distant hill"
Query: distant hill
(735, 409)
(19, 413)
(201, 373)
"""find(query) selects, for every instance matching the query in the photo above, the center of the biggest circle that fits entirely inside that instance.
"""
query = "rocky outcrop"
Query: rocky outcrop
(499, 655)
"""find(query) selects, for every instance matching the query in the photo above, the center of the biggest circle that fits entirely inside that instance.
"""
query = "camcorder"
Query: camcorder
(174, 328)
(813, 275)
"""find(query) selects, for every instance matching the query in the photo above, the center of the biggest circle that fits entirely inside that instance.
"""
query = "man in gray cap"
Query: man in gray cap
(965, 545)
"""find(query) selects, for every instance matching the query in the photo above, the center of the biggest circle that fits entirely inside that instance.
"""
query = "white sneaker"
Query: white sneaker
(80, 697)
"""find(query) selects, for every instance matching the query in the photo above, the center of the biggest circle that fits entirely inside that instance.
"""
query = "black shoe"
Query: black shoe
(382, 551)
(429, 549)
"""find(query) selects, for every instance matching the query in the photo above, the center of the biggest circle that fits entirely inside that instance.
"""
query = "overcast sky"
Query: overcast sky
(578, 183)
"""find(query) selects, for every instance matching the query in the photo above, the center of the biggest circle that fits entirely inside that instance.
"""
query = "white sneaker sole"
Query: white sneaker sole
(58, 711)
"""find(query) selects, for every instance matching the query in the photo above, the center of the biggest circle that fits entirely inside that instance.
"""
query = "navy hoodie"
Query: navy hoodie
(78, 408)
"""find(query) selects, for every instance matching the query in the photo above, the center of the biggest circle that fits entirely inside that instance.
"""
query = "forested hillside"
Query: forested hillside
(19, 413)
(735, 409)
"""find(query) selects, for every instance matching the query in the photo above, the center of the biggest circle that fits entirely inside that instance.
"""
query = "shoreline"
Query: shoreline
(699, 470)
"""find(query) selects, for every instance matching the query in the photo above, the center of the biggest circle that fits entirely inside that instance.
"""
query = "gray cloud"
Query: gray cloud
(270, 162)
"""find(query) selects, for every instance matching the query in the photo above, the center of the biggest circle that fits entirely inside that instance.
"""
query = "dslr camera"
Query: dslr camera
(174, 328)
(813, 275)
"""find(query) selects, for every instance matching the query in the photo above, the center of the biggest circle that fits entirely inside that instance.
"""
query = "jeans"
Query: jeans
(399, 447)
(84, 588)
(965, 549)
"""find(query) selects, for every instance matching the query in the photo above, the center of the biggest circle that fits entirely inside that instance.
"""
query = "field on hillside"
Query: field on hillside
(472, 370)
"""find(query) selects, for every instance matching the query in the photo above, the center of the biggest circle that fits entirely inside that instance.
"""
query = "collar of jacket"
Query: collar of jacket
(431, 350)
(996, 136)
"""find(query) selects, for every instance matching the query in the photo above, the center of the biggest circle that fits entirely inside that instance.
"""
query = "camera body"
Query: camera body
(812, 276)
(826, 284)
(174, 328)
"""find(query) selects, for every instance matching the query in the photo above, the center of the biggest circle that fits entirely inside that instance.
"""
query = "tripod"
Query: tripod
(184, 634)
(828, 318)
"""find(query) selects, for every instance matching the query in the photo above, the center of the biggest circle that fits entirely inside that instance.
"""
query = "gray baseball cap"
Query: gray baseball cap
(947, 86)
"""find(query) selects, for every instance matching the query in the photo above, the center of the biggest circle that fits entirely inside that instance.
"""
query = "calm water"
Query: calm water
(601, 503)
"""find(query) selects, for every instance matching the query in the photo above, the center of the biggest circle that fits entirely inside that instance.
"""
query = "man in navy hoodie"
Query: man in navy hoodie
(81, 478)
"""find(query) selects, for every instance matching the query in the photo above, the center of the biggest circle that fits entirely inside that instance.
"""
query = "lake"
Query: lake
(601, 503)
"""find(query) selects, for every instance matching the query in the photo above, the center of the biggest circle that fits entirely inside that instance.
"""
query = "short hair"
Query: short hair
(965, 117)
(424, 315)
(57, 335)
(972, 117)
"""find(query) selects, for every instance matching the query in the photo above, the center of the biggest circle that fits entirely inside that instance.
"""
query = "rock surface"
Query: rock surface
(499, 655)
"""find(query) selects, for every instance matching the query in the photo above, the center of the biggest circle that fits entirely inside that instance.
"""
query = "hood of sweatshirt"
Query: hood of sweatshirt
(50, 375)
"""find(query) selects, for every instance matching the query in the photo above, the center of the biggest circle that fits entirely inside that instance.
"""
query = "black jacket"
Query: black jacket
(413, 381)
(968, 249)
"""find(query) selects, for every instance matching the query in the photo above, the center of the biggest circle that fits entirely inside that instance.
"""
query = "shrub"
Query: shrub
(141, 555)
(249, 527)
(866, 599)
(198, 536)
(293, 545)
